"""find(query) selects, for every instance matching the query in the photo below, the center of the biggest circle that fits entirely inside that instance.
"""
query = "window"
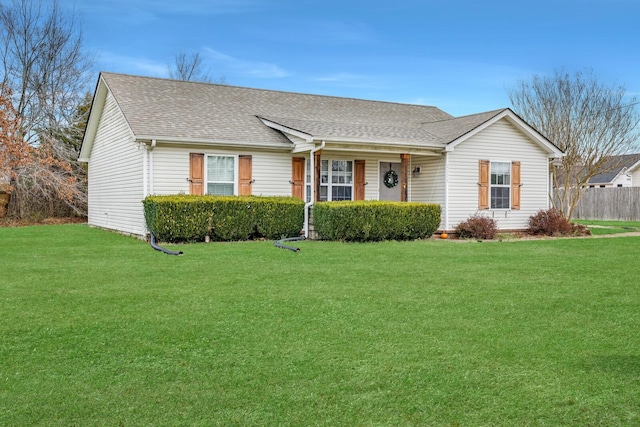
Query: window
(336, 182)
(500, 185)
(221, 175)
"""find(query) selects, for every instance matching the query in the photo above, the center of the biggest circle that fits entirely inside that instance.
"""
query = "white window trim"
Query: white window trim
(235, 171)
(491, 162)
(329, 184)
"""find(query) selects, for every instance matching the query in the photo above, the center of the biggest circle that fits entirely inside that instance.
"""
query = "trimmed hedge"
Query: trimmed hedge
(365, 221)
(224, 218)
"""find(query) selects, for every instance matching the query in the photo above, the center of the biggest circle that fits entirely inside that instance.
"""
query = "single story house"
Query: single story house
(156, 136)
(622, 171)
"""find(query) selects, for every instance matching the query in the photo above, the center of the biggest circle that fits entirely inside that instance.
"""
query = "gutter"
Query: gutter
(312, 183)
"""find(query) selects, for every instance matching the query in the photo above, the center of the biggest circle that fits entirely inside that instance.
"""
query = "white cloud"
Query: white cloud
(260, 69)
(133, 65)
(345, 79)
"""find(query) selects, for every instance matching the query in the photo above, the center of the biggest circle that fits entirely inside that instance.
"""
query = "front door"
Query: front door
(388, 191)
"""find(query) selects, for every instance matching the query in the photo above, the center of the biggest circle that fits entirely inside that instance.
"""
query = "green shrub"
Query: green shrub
(363, 221)
(477, 227)
(278, 217)
(223, 218)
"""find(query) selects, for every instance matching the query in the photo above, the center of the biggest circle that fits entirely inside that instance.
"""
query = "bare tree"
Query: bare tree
(191, 68)
(589, 121)
(43, 63)
(45, 72)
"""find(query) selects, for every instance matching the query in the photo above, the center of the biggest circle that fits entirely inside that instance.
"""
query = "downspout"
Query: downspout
(147, 172)
(153, 145)
(446, 191)
(312, 183)
(144, 169)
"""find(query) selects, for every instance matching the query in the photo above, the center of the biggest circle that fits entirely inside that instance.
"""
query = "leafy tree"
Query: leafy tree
(71, 136)
(589, 121)
(43, 72)
(39, 178)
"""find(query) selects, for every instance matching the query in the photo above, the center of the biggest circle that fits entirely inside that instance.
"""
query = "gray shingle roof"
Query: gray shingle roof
(615, 165)
(200, 111)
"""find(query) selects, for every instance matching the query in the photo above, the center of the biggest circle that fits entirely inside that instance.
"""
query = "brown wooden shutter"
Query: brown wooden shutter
(297, 177)
(483, 184)
(196, 173)
(358, 179)
(515, 185)
(404, 177)
(244, 175)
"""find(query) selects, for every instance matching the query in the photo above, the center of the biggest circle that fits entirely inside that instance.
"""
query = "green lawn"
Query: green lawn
(609, 227)
(98, 329)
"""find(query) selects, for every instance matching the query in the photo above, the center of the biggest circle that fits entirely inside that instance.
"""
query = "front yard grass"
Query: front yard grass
(99, 329)
(598, 227)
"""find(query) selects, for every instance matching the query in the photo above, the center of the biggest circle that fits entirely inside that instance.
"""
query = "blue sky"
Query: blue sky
(457, 55)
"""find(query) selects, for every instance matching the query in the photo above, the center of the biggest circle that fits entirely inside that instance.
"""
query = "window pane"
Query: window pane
(220, 189)
(340, 193)
(220, 168)
(500, 197)
(323, 193)
(500, 173)
(341, 172)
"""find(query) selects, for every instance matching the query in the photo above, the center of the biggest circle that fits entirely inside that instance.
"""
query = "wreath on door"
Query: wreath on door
(390, 178)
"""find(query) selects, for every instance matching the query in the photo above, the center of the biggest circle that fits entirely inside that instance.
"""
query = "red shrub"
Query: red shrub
(551, 222)
(477, 227)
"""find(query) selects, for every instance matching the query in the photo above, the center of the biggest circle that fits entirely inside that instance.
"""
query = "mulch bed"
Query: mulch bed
(10, 222)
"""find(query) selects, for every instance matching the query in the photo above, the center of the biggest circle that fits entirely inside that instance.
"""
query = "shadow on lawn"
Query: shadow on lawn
(627, 365)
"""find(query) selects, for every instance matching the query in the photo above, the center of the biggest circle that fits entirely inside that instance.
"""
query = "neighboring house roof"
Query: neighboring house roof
(616, 165)
(180, 111)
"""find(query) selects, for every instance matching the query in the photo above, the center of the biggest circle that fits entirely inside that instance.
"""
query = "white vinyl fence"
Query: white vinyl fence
(617, 203)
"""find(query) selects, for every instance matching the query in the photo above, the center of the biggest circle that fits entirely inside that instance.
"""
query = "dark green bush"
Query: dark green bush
(223, 218)
(365, 221)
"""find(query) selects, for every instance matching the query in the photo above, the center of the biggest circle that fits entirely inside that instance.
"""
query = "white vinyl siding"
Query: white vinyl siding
(428, 185)
(635, 178)
(271, 170)
(115, 189)
(498, 142)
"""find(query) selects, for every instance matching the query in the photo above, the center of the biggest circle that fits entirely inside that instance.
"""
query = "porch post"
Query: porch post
(316, 173)
(404, 176)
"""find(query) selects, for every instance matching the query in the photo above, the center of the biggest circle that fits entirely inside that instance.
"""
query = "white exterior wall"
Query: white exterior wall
(622, 179)
(499, 142)
(271, 170)
(115, 188)
(428, 185)
(371, 166)
(635, 178)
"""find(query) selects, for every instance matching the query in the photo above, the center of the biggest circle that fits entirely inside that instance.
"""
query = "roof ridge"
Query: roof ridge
(497, 111)
(166, 79)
